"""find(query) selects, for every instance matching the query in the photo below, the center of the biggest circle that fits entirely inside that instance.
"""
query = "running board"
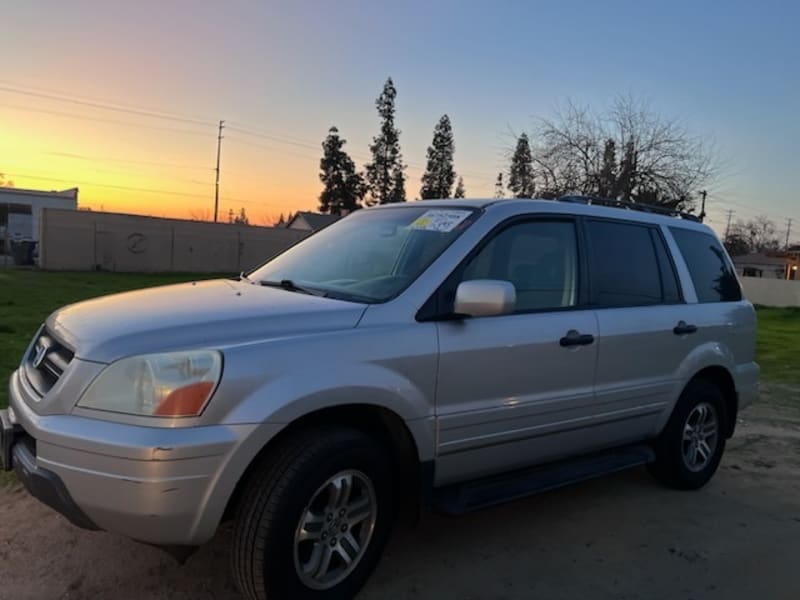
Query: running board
(460, 498)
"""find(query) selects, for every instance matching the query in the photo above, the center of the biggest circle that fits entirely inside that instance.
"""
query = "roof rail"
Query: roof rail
(648, 208)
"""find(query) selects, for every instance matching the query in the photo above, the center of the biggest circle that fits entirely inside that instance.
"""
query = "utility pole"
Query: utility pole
(788, 231)
(216, 183)
(728, 226)
(703, 206)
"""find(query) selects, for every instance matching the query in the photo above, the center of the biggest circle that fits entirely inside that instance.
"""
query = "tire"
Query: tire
(305, 480)
(682, 461)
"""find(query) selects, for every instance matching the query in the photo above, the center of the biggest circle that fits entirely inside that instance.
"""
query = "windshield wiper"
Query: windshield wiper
(291, 286)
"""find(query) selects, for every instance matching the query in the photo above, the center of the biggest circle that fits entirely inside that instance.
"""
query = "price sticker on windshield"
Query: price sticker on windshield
(443, 221)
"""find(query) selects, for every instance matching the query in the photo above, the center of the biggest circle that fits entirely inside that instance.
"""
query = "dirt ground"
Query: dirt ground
(621, 537)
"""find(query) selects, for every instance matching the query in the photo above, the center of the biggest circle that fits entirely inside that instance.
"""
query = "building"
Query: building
(21, 211)
(775, 265)
(309, 221)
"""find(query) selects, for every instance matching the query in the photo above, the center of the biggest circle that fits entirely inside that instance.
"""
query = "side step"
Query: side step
(469, 496)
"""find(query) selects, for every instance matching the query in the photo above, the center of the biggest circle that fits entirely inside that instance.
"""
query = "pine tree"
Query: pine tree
(520, 174)
(439, 176)
(240, 219)
(385, 174)
(398, 193)
(608, 172)
(460, 191)
(499, 190)
(231, 216)
(343, 186)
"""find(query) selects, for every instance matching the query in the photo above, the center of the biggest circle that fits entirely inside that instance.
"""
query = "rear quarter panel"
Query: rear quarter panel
(725, 338)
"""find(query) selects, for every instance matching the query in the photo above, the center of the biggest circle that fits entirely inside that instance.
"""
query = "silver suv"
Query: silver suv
(453, 354)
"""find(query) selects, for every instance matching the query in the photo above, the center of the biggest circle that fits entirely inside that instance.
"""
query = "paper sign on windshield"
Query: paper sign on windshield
(440, 220)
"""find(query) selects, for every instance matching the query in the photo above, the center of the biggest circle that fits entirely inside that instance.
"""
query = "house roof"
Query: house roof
(759, 259)
(70, 194)
(315, 220)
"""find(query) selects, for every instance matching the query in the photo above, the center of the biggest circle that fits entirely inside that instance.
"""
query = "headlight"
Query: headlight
(173, 384)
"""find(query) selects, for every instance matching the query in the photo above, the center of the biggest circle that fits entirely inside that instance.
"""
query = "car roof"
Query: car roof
(540, 206)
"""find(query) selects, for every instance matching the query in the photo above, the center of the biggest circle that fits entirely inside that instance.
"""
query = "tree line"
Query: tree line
(627, 153)
(383, 179)
(756, 235)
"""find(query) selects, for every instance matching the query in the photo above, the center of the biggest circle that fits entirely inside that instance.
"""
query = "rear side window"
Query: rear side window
(623, 264)
(712, 274)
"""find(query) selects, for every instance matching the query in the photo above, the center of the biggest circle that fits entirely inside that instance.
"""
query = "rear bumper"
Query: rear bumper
(166, 486)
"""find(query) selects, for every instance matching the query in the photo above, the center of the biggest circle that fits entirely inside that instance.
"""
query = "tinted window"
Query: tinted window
(669, 281)
(622, 264)
(539, 257)
(712, 274)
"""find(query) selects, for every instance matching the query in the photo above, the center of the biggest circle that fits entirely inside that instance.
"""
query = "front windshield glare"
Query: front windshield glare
(369, 256)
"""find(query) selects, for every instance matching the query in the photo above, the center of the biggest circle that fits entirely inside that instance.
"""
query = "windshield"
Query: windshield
(369, 256)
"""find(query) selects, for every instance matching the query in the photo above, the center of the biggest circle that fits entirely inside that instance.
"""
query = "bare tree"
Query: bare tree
(627, 152)
(200, 214)
(758, 234)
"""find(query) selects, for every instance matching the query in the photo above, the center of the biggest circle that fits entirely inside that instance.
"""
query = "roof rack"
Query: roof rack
(648, 208)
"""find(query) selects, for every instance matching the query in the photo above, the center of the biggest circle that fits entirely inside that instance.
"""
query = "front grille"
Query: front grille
(46, 362)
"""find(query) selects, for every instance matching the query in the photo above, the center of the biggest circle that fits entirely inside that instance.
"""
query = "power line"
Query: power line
(104, 185)
(284, 139)
(125, 160)
(59, 97)
(747, 207)
(157, 114)
(293, 141)
(139, 111)
(118, 171)
(101, 119)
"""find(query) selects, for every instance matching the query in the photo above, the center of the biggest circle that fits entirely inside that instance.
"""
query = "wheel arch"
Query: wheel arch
(380, 423)
(722, 378)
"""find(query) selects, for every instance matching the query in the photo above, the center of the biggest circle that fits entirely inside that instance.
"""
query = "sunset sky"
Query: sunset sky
(121, 99)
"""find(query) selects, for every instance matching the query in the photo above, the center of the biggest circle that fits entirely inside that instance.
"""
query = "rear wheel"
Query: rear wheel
(690, 448)
(314, 519)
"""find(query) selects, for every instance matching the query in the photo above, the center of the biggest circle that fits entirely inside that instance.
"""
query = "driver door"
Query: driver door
(518, 389)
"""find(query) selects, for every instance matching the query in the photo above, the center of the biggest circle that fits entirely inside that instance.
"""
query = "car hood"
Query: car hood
(191, 315)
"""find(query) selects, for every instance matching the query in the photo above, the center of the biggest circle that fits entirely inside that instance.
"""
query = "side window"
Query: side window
(539, 257)
(623, 265)
(712, 273)
(669, 280)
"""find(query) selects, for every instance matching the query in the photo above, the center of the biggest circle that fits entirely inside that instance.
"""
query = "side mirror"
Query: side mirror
(485, 298)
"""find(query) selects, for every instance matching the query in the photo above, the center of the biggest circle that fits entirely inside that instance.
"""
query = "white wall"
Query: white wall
(67, 199)
(771, 292)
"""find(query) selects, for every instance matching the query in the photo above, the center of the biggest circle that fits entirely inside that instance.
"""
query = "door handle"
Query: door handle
(575, 338)
(683, 328)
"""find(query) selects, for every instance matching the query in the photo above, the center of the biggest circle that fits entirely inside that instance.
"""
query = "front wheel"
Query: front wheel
(315, 518)
(690, 448)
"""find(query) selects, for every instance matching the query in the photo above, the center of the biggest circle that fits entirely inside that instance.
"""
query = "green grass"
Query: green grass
(28, 297)
(778, 344)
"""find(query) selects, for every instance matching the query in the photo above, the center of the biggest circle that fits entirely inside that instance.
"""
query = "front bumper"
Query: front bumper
(19, 453)
(166, 486)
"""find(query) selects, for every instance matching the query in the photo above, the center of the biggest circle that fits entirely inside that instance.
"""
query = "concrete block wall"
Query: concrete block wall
(87, 240)
(771, 292)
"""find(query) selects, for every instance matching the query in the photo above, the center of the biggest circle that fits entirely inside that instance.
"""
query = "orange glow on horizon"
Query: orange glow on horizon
(145, 171)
